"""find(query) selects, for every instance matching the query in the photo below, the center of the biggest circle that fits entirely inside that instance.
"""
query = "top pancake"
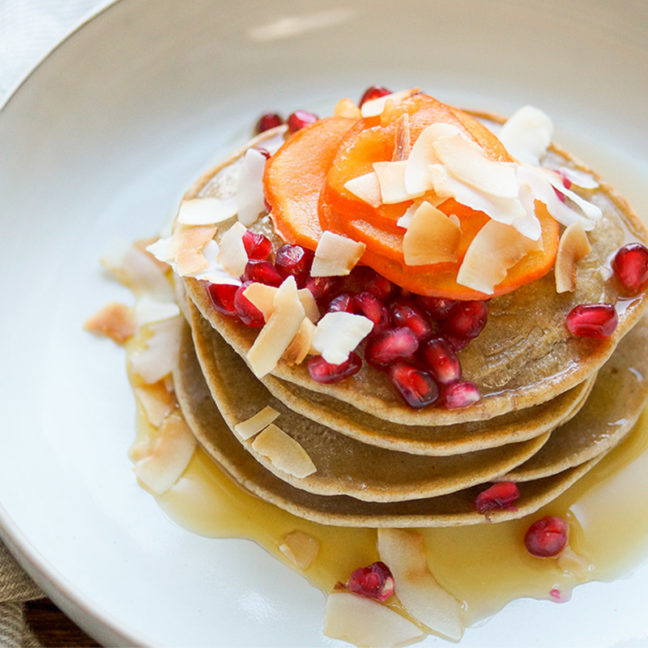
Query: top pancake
(525, 354)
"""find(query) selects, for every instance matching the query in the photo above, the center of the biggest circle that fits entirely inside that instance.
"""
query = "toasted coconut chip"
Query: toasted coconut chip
(419, 592)
(403, 145)
(467, 162)
(232, 255)
(337, 334)
(247, 429)
(301, 345)
(262, 297)
(374, 107)
(170, 454)
(300, 548)
(527, 134)
(140, 450)
(310, 305)
(279, 330)
(366, 187)
(431, 237)
(573, 246)
(284, 452)
(156, 401)
(161, 354)
(215, 272)
(250, 201)
(187, 244)
(578, 177)
(406, 218)
(206, 211)
(142, 245)
(335, 255)
(391, 178)
(347, 108)
(591, 211)
(494, 250)
(114, 320)
(148, 310)
(365, 622)
(571, 562)
(417, 174)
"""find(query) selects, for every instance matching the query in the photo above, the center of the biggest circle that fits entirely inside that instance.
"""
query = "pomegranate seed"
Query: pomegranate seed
(256, 245)
(546, 537)
(442, 361)
(248, 313)
(498, 497)
(325, 372)
(391, 344)
(370, 306)
(323, 287)
(436, 307)
(222, 297)
(262, 272)
(466, 319)
(299, 119)
(268, 121)
(417, 387)
(461, 394)
(405, 313)
(456, 343)
(630, 264)
(342, 303)
(294, 260)
(375, 581)
(373, 92)
(592, 320)
(380, 286)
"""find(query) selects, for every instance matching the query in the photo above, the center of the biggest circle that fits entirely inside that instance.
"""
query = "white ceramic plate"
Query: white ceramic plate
(100, 142)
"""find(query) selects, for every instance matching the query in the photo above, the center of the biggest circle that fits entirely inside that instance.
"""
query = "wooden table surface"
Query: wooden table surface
(52, 628)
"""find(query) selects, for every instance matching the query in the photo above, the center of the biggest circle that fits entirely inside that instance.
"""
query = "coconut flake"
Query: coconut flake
(300, 548)
(187, 244)
(156, 401)
(347, 108)
(232, 255)
(215, 272)
(310, 305)
(375, 107)
(262, 296)
(494, 250)
(591, 211)
(431, 237)
(278, 331)
(284, 452)
(337, 334)
(160, 357)
(578, 177)
(366, 187)
(301, 345)
(335, 255)
(247, 429)
(148, 310)
(114, 320)
(527, 134)
(573, 246)
(170, 454)
(406, 218)
(206, 211)
(403, 145)
(250, 201)
(391, 178)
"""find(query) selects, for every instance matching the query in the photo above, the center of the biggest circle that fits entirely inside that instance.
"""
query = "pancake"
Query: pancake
(344, 466)
(524, 356)
(453, 509)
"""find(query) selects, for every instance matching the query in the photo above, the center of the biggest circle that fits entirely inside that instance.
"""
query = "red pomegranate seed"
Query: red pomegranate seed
(375, 581)
(256, 245)
(466, 319)
(456, 343)
(547, 537)
(417, 387)
(248, 313)
(342, 303)
(222, 297)
(262, 272)
(268, 121)
(436, 307)
(294, 260)
(405, 313)
(373, 92)
(498, 497)
(380, 287)
(370, 306)
(323, 287)
(442, 361)
(592, 320)
(461, 394)
(325, 372)
(299, 119)
(630, 264)
(391, 344)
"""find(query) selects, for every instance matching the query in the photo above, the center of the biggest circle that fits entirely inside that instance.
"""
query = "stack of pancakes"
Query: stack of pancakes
(552, 404)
